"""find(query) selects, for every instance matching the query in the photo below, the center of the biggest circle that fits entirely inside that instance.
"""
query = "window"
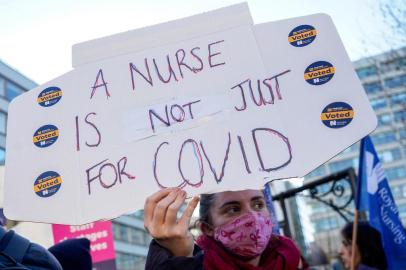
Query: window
(402, 210)
(394, 64)
(317, 172)
(3, 121)
(404, 150)
(116, 230)
(401, 62)
(326, 224)
(127, 261)
(390, 155)
(2, 156)
(372, 88)
(384, 137)
(402, 133)
(379, 103)
(395, 172)
(384, 119)
(366, 71)
(319, 208)
(343, 164)
(397, 192)
(137, 236)
(400, 116)
(395, 81)
(2, 86)
(399, 99)
(130, 234)
(12, 90)
(123, 233)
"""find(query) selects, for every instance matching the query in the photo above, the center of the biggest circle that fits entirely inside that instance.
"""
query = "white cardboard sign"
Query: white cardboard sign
(229, 109)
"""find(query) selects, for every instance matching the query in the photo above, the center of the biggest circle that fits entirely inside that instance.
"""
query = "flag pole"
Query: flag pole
(354, 239)
(357, 203)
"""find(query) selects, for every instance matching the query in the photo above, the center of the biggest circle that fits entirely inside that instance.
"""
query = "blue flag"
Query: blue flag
(374, 196)
(271, 208)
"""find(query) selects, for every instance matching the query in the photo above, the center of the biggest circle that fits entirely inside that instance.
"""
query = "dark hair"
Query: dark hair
(73, 254)
(369, 244)
(206, 201)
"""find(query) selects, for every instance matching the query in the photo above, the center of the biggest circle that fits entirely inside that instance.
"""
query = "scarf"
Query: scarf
(280, 254)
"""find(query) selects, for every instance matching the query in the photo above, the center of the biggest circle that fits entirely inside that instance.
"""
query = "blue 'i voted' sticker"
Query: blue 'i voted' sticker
(302, 35)
(45, 136)
(49, 96)
(319, 73)
(47, 184)
(337, 115)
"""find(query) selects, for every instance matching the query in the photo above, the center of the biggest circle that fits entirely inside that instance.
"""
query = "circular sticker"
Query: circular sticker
(47, 184)
(319, 73)
(45, 136)
(302, 35)
(49, 96)
(337, 115)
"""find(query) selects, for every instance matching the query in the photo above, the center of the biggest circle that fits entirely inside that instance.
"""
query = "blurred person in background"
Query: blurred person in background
(73, 254)
(19, 253)
(369, 252)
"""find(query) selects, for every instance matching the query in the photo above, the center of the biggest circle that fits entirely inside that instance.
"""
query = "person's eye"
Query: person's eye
(259, 205)
(232, 210)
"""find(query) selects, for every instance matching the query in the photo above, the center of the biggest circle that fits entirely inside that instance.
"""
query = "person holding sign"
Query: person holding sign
(236, 233)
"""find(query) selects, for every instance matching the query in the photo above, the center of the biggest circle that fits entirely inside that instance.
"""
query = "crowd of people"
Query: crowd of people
(235, 233)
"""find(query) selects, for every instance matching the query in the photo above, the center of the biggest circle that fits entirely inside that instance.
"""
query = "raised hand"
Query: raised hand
(160, 220)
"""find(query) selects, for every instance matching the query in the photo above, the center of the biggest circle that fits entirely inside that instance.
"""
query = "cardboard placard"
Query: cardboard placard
(227, 110)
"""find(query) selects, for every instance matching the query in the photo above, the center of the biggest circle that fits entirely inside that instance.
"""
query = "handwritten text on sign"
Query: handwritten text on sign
(247, 93)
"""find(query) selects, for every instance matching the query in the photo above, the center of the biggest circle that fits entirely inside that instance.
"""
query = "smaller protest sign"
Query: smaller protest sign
(100, 235)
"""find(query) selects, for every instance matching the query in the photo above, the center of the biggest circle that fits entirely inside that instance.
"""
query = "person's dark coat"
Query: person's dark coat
(160, 258)
(17, 252)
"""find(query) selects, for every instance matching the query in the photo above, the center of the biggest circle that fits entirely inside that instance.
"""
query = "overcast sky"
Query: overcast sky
(36, 36)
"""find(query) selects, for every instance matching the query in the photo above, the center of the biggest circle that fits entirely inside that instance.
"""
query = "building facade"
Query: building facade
(300, 225)
(384, 80)
(131, 241)
(12, 84)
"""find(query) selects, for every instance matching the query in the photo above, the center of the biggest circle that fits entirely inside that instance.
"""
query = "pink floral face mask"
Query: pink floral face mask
(246, 236)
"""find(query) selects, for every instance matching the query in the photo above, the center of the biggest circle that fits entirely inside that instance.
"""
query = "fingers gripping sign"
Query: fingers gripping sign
(160, 220)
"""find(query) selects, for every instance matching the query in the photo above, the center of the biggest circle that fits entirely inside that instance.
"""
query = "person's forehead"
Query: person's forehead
(244, 195)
